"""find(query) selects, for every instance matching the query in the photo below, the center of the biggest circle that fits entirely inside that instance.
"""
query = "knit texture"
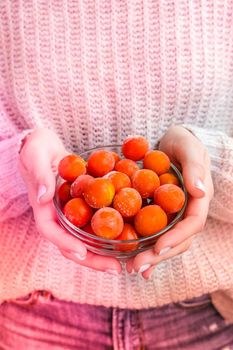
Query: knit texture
(96, 72)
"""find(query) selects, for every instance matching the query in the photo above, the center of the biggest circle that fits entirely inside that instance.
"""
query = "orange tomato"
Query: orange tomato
(127, 201)
(127, 233)
(78, 186)
(107, 223)
(100, 162)
(157, 161)
(99, 193)
(145, 181)
(78, 212)
(168, 178)
(150, 219)
(63, 192)
(116, 156)
(135, 147)
(119, 180)
(71, 166)
(170, 197)
(126, 166)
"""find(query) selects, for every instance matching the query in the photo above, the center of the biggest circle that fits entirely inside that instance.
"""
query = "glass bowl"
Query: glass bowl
(121, 249)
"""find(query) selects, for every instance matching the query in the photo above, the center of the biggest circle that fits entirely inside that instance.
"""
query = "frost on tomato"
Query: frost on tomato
(107, 223)
(127, 201)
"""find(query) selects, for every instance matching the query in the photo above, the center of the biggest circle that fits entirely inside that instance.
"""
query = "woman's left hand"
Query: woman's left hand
(184, 149)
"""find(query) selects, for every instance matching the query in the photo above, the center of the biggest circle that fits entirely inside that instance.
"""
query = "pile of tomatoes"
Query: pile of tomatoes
(120, 198)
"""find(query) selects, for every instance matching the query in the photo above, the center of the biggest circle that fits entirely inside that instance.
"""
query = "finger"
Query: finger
(195, 217)
(40, 169)
(146, 261)
(147, 275)
(194, 221)
(45, 183)
(96, 262)
(195, 163)
(45, 176)
(39, 174)
(47, 225)
(194, 175)
(129, 265)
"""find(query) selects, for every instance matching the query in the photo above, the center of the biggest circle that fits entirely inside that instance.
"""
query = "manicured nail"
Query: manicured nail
(112, 272)
(164, 250)
(41, 190)
(79, 256)
(143, 268)
(199, 184)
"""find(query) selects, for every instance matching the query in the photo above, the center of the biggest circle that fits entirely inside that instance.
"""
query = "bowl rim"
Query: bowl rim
(117, 241)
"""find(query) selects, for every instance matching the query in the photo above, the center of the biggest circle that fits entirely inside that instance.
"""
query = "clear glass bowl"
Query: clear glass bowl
(121, 249)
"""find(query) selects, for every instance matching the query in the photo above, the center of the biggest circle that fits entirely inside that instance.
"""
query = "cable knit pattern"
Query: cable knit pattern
(95, 72)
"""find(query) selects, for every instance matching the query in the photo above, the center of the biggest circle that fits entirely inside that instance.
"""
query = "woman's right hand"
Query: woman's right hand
(39, 158)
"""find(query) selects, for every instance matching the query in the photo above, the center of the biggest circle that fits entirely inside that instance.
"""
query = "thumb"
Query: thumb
(44, 180)
(46, 188)
(184, 148)
(46, 177)
(194, 175)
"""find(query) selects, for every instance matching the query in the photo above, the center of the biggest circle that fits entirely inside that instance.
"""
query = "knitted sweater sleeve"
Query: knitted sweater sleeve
(220, 148)
(13, 192)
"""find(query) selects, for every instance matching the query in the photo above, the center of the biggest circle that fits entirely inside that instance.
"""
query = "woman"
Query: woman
(75, 75)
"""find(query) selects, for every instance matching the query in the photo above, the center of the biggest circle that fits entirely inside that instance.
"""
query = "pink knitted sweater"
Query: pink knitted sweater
(95, 72)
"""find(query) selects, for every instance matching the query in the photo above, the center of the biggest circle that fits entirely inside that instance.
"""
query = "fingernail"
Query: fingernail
(199, 184)
(79, 256)
(164, 250)
(41, 190)
(143, 268)
(112, 272)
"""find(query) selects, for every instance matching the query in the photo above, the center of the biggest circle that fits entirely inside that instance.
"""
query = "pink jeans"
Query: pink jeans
(43, 322)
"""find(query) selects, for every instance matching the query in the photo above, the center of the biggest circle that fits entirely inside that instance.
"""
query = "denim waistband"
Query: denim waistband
(42, 296)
